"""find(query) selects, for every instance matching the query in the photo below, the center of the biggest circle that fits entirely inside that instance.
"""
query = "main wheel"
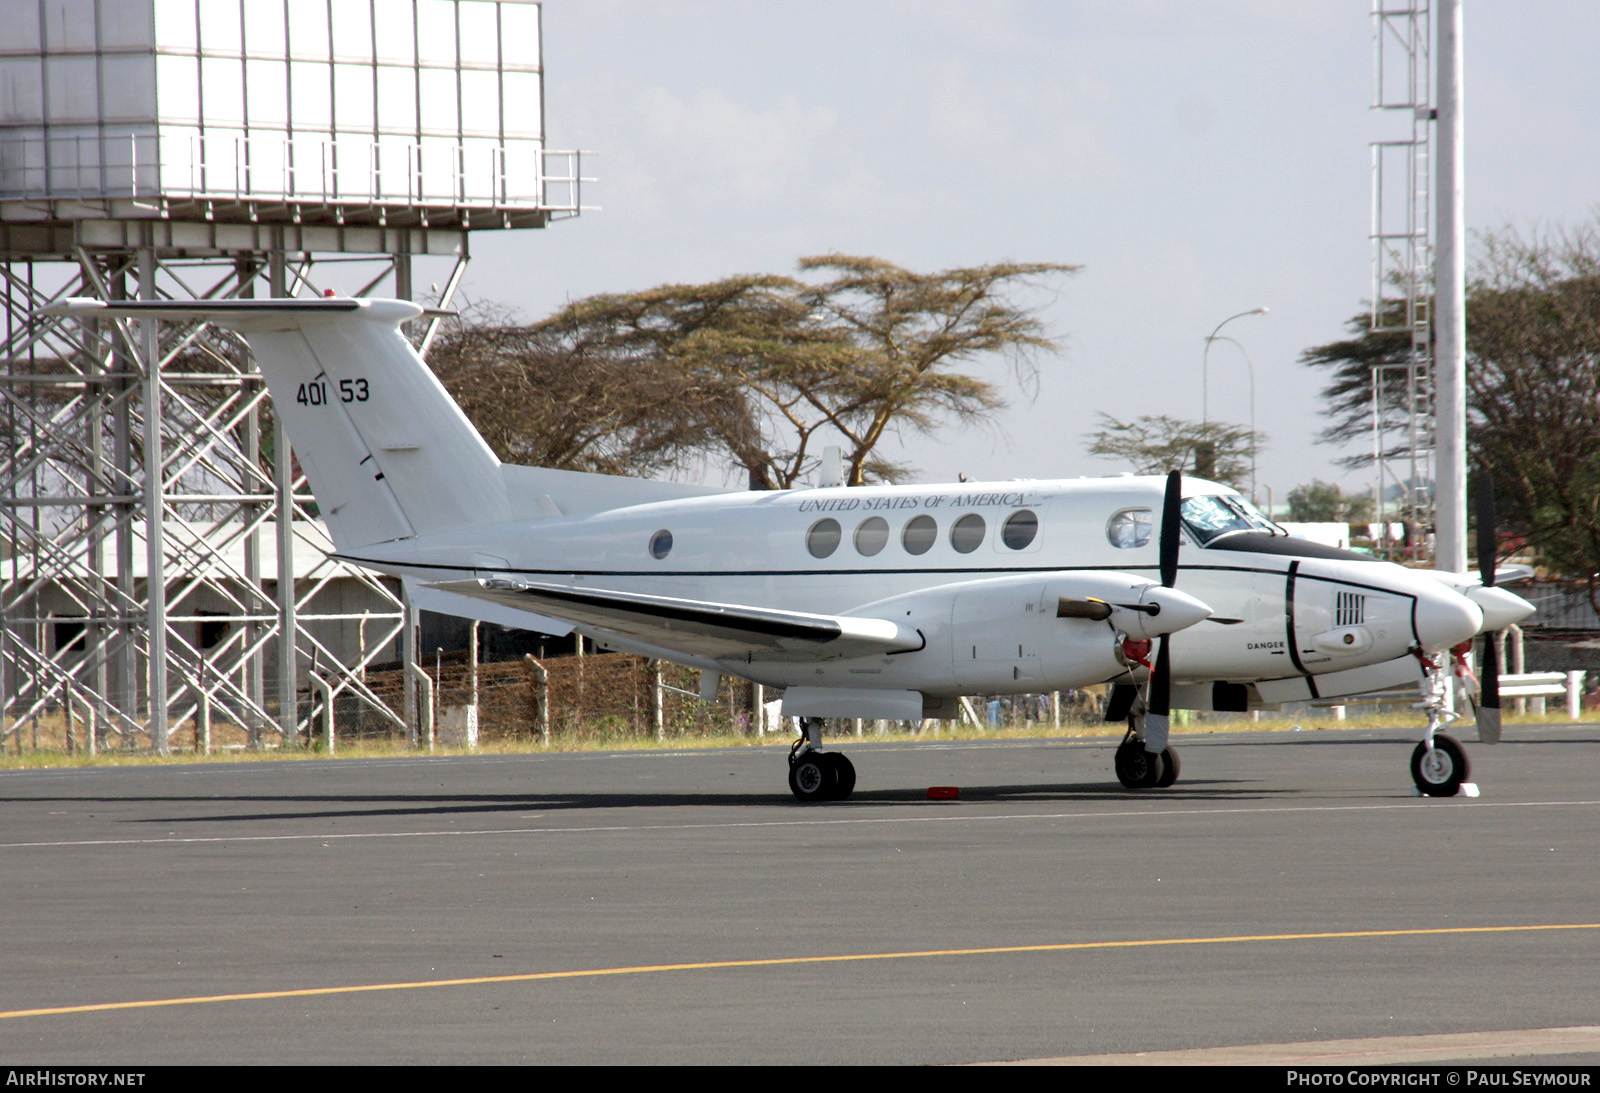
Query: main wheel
(845, 772)
(822, 776)
(812, 778)
(1170, 768)
(1137, 768)
(1439, 773)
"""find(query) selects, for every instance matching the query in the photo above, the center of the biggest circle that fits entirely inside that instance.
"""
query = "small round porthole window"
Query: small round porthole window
(1020, 529)
(872, 536)
(1130, 528)
(919, 534)
(823, 538)
(966, 534)
(661, 544)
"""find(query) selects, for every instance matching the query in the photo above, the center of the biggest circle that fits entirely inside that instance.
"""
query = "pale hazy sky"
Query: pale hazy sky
(1197, 158)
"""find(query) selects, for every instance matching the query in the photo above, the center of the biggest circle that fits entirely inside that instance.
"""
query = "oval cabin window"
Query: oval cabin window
(919, 534)
(966, 534)
(1020, 529)
(872, 536)
(823, 538)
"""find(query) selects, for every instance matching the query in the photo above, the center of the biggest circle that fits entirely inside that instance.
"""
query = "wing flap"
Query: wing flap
(698, 627)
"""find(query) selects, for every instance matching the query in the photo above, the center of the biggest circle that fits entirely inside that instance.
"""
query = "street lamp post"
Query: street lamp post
(1205, 385)
(1250, 369)
(1205, 389)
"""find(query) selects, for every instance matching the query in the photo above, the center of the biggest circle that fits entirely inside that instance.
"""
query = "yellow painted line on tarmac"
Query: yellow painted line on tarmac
(783, 961)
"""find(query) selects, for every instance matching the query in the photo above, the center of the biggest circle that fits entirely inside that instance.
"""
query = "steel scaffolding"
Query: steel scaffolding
(133, 594)
(1402, 258)
(161, 557)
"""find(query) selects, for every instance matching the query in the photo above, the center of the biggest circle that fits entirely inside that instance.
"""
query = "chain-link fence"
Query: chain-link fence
(591, 698)
(594, 699)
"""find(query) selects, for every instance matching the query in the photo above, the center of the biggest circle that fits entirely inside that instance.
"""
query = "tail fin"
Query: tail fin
(388, 452)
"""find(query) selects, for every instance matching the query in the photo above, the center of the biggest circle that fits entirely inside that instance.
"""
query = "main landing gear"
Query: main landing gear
(1140, 769)
(817, 775)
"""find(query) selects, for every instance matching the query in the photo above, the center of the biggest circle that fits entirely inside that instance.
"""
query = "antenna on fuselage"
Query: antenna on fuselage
(831, 472)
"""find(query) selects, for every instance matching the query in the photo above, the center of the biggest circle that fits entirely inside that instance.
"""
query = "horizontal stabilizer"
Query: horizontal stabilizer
(428, 598)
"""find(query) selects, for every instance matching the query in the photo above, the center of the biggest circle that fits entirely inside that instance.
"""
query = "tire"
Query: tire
(1441, 774)
(1170, 768)
(844, 772)
(1137, 768)
(812, 778)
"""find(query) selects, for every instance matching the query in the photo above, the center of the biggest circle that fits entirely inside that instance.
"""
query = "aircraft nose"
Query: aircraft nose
(1500, 608)
(1444, 617)
(1178, 610)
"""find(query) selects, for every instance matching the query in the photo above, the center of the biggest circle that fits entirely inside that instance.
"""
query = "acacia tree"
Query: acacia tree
(544, 397)
(900, 334)
(1533, 367)
(757, 368)
(1349, 392)
(1156, 444)
(1533, 390)
(1319, 501)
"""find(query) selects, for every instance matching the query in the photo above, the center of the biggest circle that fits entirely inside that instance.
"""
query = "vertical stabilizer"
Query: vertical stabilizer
(388, 452)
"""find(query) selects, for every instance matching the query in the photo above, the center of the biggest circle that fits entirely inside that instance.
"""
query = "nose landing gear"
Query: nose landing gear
(1439, 765)
(1141, 769)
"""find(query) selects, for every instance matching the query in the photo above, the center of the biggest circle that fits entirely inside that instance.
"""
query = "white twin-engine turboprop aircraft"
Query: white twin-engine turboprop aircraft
(875, 602)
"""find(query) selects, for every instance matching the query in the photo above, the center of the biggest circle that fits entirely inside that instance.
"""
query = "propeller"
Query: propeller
(1158, 705)
(1489, 669)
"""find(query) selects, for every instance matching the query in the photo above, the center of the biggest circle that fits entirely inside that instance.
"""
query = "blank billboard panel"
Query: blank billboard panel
(378, 101)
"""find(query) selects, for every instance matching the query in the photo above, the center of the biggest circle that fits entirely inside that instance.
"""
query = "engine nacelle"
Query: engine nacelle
(1014, 634)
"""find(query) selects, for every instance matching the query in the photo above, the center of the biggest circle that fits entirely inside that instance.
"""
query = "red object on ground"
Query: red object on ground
(943, 793)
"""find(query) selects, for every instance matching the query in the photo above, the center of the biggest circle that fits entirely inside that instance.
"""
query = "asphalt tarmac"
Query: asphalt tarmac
(1288, 900)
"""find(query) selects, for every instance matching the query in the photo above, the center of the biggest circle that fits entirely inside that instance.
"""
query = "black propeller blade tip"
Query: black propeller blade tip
(1171, 516)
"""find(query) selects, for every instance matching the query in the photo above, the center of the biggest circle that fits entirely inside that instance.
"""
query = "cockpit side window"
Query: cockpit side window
(1130, 528)
(1207, 518)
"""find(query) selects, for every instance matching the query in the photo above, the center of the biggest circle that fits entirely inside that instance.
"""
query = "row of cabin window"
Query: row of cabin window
(1126, 528)
(920, 533)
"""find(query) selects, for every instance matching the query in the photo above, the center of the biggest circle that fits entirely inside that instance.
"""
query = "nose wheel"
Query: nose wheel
(1140, 769)
(1440, 770)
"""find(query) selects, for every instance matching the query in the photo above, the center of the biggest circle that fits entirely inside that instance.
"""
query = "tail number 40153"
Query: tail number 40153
(315, 393)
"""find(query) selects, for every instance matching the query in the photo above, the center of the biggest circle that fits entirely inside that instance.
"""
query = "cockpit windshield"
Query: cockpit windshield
(1211, 517)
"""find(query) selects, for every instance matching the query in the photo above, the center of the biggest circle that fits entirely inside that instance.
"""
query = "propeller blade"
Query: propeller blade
(1489, 667)
(1171, 516)
(1487, 543)
(1157, 719)
(1489, 693)
(1157, 716)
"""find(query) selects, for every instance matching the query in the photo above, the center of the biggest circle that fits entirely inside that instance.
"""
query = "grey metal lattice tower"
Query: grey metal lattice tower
(157, 557)
(1402, 250)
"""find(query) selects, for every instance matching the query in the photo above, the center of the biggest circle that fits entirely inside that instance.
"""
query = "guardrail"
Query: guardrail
(1541, 685)
(1530, 686)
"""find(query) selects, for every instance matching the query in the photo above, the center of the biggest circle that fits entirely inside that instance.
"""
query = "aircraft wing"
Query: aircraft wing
(698, 628)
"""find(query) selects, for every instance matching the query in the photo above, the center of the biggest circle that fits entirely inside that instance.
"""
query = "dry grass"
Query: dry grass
(43, 744)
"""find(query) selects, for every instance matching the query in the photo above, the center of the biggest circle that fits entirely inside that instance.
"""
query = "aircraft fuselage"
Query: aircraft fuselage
(954, 561)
